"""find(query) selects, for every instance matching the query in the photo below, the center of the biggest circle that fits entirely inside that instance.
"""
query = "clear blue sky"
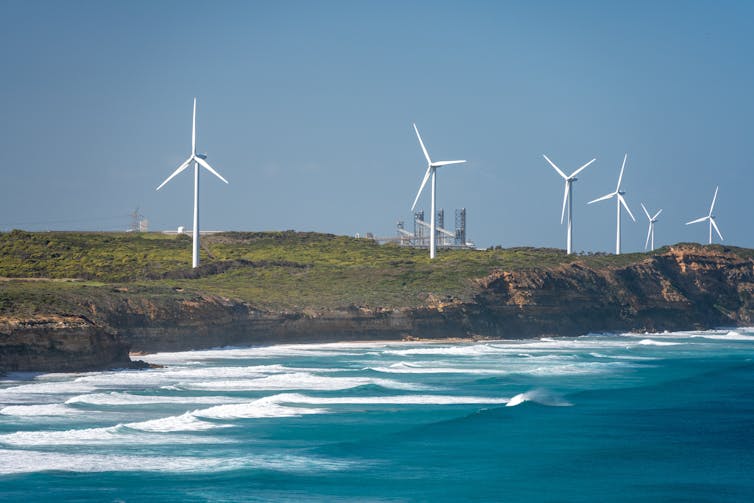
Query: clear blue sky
(306, 108)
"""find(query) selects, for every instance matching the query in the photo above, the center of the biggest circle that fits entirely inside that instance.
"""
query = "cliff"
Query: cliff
(60, 344)
(72, 326)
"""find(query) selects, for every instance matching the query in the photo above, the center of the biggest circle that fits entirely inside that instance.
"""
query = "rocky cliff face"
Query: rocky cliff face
(684, 288)
(59, 344)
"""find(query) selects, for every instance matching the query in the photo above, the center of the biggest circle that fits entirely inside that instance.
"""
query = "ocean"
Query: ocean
(603, 417)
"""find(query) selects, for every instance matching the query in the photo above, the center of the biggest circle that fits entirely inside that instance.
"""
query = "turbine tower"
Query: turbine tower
(198, 160)
(431, 168)
(568, 197)
(618, 194)
(651, 231)
(711, 219)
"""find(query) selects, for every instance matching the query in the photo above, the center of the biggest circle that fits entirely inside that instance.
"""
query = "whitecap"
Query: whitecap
(540, 396)
(261, 408)
(48, 388)
(184, 422)
(30, 461)
(120, 398)
(652, 342)
(298, 380)
(456, 350)
(729, 336)
(49, 409)
(409, 368)
(386, 400)
(284, 350)
(111, 435)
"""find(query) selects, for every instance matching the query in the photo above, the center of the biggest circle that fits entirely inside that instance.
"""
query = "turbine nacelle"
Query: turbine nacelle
(431, 166)
(201, 156)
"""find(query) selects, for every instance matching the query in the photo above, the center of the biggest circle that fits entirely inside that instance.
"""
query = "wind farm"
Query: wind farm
(298, 328)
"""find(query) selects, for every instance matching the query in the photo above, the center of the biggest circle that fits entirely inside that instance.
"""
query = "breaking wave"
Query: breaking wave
(29, 461)
(540, 396)
(297, 381)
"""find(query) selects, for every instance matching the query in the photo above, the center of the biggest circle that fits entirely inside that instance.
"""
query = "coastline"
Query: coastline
(683, 288)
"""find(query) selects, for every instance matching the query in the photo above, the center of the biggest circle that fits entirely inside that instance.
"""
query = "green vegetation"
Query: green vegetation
(274, 270)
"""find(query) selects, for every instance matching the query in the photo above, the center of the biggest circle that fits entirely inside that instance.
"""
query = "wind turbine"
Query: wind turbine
(618, 194)
(568, 196)
(711, 219)
(651, 231)
(431, 168)
(198, 160)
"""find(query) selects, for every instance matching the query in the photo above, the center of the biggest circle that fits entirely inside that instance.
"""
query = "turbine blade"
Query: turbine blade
(657, 215)
(445, 163)
(177, 171)
(645, 211)
(581, 168)
(206, 165)
(556, 168)
(623, 202)
(697, 220)
(714, 198)
(712, 220)
(649, 232)
(606, 196)
(565, 199)
(424, 149)
(193, 131)
(421, 187)
(620, 177)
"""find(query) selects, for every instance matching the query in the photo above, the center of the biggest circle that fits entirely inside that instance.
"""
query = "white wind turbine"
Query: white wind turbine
(618, 194)
(198, 160)
(651, 231)
(711, 219)
(431, 167)
(568, 196)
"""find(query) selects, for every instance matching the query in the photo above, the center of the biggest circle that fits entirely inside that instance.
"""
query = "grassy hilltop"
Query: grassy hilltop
(270, 270)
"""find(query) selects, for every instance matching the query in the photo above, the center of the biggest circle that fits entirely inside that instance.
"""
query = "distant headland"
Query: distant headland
(81, 301)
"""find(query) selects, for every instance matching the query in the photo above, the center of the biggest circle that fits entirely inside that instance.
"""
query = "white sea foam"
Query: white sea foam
(729, 336)
(286, 350)
(231, 372)
(47, 388)
(29, 461)
(584, 368)
(120, 398)
(455, 350)
(652, 342)
(111, 435)
(622, 357)
(296, 381)
(49, 409)
(540, 396)
(410, 368)
(386, 400)
(261, 408)
(184, 422)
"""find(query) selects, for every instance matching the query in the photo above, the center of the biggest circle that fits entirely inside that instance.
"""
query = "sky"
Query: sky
(306, 107)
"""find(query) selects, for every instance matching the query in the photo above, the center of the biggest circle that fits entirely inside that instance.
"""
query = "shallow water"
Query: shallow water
(660, 417)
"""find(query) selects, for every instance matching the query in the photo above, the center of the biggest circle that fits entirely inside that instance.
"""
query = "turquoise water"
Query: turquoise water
(661, 417)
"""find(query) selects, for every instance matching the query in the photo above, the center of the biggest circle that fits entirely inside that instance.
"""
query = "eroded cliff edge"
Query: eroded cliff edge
(685, 287)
